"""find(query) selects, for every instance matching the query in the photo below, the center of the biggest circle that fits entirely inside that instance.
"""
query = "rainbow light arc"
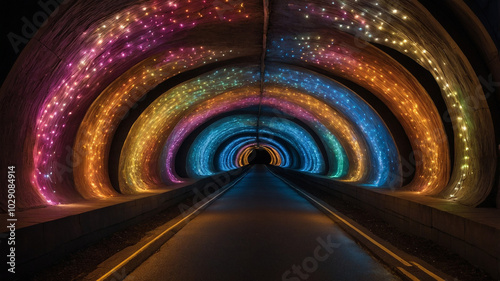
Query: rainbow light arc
(198, 90)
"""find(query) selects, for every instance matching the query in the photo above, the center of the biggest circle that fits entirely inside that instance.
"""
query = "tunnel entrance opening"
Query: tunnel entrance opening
(259, 156)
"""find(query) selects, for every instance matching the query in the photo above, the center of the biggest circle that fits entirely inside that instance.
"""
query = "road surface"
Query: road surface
(259, 230)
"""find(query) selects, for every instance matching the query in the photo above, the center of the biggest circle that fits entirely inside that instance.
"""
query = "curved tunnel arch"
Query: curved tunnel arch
(296, 137)
(111, 60)
(245, 155)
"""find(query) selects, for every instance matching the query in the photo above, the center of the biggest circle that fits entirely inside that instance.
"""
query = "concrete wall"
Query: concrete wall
(46, 235)
(473, 233)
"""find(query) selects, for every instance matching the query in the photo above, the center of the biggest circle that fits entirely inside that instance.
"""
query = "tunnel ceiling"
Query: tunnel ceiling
(121, 97)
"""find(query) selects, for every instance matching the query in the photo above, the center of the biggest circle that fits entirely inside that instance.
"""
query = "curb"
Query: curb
(403, 264)
(131, 259)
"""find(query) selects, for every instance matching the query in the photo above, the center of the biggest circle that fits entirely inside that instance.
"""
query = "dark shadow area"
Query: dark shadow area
(259, 156)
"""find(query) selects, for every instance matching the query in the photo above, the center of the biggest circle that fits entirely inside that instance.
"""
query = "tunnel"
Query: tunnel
(259, 156)
(115, 111)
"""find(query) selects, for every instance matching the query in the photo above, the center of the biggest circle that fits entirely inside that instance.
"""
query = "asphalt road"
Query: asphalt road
(261, 230)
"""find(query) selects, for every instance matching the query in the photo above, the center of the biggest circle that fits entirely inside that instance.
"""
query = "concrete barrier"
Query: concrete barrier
(46, 235)
(472, 233)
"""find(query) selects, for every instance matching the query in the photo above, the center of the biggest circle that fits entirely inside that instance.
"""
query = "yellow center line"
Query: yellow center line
(351, 226)
(109, 273)
(361, 232)
(411, 276)
(428, 272)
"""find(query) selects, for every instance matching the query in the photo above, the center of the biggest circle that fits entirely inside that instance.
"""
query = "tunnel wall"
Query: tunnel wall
(41, 243)
(472, 233)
